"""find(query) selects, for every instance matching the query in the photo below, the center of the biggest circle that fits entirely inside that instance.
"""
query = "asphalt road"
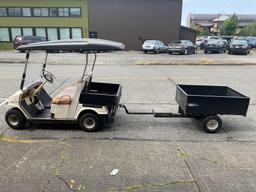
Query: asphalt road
(150, 154)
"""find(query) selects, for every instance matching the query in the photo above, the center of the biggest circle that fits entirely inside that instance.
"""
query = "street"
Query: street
(150, 154)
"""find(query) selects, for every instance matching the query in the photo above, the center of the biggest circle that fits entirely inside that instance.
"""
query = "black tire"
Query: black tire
(157, 51)
(229, 53)
(145, 52)
(15, 119)
(205, 52)
(212, 124)
(170, 53)
(89, 122)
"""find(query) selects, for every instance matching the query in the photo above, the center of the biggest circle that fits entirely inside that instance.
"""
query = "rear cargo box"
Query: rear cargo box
(101, 94)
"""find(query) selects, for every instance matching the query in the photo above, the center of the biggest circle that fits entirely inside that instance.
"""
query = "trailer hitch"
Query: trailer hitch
(156, 115)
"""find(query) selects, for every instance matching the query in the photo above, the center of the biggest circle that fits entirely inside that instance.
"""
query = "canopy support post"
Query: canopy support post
(25, 71)
(86, 64)
(95, 58)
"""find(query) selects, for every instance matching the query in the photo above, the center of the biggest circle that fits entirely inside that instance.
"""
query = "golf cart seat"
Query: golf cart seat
(65, 97)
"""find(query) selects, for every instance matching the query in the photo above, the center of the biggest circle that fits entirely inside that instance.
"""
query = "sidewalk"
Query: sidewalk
(132, 58)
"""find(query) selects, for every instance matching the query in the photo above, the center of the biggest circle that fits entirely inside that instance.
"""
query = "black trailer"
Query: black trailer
(205, 103)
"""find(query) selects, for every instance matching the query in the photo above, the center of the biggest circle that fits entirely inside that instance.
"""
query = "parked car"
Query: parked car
(155, 46)
(199, 42)
(215, 45)
(205, 41)
(24, 40)
(253, 43)
(239, 47)
(183, 47)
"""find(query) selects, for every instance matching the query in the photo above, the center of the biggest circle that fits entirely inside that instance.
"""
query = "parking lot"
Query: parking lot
(150, 154)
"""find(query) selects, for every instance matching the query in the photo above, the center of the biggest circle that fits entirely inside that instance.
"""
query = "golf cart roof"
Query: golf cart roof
(74, 45)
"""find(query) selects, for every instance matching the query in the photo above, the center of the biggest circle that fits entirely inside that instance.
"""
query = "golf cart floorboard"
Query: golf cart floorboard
(45, 114)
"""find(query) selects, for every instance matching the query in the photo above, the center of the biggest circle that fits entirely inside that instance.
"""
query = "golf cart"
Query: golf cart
(87, 103)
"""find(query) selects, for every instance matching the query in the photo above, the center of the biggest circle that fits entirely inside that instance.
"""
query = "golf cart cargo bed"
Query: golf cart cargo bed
(101, 94)
(199, 101)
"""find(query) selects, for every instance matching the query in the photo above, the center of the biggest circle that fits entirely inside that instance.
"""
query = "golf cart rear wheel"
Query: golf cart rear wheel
(15, 119)
(89, 122)
(212, 124)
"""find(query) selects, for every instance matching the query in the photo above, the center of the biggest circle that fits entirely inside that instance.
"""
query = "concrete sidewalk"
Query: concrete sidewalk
(132, 58)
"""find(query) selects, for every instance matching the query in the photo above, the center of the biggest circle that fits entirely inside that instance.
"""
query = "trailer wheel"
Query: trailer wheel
(15, 119)
(212, 124)
(89, 122)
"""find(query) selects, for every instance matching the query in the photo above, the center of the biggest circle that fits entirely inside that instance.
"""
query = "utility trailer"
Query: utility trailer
(205, 103)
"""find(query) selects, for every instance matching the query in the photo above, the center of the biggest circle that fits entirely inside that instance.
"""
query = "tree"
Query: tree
(229, 27)
(201, 31)
(250, 30)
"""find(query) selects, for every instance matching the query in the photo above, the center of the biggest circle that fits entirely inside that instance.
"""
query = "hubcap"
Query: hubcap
(13, 120)
(213, 124)
(89, 123)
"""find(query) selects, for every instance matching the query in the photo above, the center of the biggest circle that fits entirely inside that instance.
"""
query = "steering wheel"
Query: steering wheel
(49, 77)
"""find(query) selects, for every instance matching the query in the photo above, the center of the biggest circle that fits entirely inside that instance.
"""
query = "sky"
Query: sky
(217, 6)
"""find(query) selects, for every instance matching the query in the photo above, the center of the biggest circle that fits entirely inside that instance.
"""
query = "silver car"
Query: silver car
(154, 46)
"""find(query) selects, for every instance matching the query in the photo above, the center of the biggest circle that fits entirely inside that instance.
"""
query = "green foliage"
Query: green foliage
(201, 31)
(250, 30)
(229, 27)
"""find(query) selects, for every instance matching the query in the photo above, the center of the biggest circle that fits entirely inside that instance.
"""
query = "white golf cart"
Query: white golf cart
(87, 103)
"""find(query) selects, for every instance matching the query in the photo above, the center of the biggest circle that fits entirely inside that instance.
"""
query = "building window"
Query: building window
(15, 32)
(76, 33)
(53, 12)
(37, 12)
(75, 12)
(27, 31)
(41, 12)
(3, 12)
(44, 12)
(26, 12)
(4, 34)
(64, 33)
(52, 34)
(40, 32)
(64, 12)
(14, 12)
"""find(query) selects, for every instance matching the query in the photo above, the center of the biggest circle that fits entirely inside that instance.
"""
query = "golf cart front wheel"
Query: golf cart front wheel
(15, 119)
(89, 122)
(212, 124)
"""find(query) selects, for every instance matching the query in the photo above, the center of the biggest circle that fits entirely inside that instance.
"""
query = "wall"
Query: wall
(129, 21)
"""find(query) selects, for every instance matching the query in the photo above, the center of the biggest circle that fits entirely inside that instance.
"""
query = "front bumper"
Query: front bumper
(175, 50)
(237, 50)
(212, 48)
